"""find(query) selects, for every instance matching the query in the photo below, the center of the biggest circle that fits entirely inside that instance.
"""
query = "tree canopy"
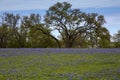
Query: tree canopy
(75, 28)
(116, 39)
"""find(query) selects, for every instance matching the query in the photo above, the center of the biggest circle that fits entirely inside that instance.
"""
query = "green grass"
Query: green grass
(61, 67)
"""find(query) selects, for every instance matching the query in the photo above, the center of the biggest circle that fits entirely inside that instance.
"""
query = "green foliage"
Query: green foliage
(104, 38)
(73, 23)
(76, 29)
(38, 39)
(4, 33)
(66, 21)
(116, 39)
(24, 35)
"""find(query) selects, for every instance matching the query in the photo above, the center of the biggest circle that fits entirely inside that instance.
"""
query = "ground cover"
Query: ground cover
(36, 65)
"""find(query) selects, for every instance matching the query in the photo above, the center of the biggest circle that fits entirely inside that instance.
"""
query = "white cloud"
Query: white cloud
(45, 4)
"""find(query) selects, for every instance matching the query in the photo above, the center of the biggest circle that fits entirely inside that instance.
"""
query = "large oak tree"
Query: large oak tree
(66, 21)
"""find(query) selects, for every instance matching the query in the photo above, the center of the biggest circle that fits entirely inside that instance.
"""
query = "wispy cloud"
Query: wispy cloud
(45, 4)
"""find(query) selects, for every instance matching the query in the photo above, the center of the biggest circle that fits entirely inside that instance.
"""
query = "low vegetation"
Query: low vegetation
(35, 65)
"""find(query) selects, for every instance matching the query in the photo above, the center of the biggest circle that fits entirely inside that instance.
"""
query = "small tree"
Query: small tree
(9, 26)
(37, 35)
(116, 39)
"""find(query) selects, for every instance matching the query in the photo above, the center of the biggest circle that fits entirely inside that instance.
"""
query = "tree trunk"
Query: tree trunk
(2, 43)
(68, 44)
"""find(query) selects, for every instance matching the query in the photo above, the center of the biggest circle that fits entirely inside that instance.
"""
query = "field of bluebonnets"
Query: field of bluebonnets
(59, 64)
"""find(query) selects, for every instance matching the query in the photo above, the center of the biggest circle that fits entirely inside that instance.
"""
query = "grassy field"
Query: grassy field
(60, 66)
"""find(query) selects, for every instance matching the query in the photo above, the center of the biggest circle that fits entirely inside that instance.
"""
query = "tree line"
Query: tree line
(75, 28)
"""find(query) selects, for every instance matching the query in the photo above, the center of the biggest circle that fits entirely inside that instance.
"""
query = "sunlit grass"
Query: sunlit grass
(61, 67)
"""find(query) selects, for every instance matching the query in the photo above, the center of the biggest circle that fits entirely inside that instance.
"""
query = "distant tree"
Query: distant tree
(47, 31)
(66, 21)
(4, 34)
(103, 38)
(76, 29)
(9, 23)
(37, 34)
(12, 21)
(38, 39)
(116, 39)
(27, 23)
(94, 29)
(22, 36)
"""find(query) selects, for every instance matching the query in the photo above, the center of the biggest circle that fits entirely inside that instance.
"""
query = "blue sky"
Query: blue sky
(109, 8)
